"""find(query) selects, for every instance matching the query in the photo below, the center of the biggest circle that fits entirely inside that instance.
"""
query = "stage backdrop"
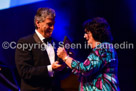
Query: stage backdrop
(18, 21)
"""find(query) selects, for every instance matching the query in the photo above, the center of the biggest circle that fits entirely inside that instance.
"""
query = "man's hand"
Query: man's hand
(56, 65)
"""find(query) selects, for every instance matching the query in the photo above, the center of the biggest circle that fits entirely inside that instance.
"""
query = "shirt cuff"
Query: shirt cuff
(50, 71)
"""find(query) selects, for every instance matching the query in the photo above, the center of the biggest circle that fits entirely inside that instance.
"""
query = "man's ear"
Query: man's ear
(37, 24)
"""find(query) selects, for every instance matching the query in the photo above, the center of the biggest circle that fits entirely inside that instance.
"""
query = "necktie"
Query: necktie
(47, 40)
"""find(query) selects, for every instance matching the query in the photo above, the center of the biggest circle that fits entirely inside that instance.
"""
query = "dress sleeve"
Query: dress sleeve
(94, 63)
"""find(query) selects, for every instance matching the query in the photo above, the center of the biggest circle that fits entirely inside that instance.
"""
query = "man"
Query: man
(35, 65)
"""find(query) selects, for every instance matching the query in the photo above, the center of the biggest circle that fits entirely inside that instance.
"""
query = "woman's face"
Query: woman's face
(88, 36)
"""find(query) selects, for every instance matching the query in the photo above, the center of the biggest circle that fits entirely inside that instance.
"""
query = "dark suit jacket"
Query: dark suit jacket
(32, 64)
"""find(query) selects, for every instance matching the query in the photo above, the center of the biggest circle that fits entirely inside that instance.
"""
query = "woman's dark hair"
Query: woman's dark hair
(99, 28)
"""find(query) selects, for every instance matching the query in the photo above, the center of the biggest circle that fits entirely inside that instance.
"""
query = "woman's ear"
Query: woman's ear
(91, 36)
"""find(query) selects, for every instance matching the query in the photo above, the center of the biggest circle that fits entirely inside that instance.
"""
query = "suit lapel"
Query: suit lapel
(45, 55)
(36, 38)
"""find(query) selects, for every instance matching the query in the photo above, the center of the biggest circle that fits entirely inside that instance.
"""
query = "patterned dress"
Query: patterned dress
(99, 71)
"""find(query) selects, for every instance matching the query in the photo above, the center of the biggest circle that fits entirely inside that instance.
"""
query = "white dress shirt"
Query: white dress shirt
(50, 51)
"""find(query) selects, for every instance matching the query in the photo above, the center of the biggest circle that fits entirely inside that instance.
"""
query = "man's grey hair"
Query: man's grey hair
(42, 14)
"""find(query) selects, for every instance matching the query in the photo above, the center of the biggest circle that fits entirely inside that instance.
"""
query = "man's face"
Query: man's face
(46, 27)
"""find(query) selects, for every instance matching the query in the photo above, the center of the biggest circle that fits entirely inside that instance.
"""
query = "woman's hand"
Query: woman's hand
(61, 53)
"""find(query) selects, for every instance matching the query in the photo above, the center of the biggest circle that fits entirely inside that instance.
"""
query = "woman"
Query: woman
(99, 71)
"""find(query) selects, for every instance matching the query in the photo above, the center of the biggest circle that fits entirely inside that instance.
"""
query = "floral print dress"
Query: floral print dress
(99, 71)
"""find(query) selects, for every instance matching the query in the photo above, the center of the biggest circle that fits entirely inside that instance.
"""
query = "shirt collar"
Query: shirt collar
(39, 35)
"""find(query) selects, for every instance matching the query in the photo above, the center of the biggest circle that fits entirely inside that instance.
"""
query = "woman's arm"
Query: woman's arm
(91, 65)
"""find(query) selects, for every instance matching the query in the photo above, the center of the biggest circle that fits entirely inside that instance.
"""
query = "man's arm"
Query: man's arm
(25, 64)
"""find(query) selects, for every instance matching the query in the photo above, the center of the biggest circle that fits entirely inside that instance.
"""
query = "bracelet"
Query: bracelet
(66, 58)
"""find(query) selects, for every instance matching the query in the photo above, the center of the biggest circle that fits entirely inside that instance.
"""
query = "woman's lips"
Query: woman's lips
(87, 39)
